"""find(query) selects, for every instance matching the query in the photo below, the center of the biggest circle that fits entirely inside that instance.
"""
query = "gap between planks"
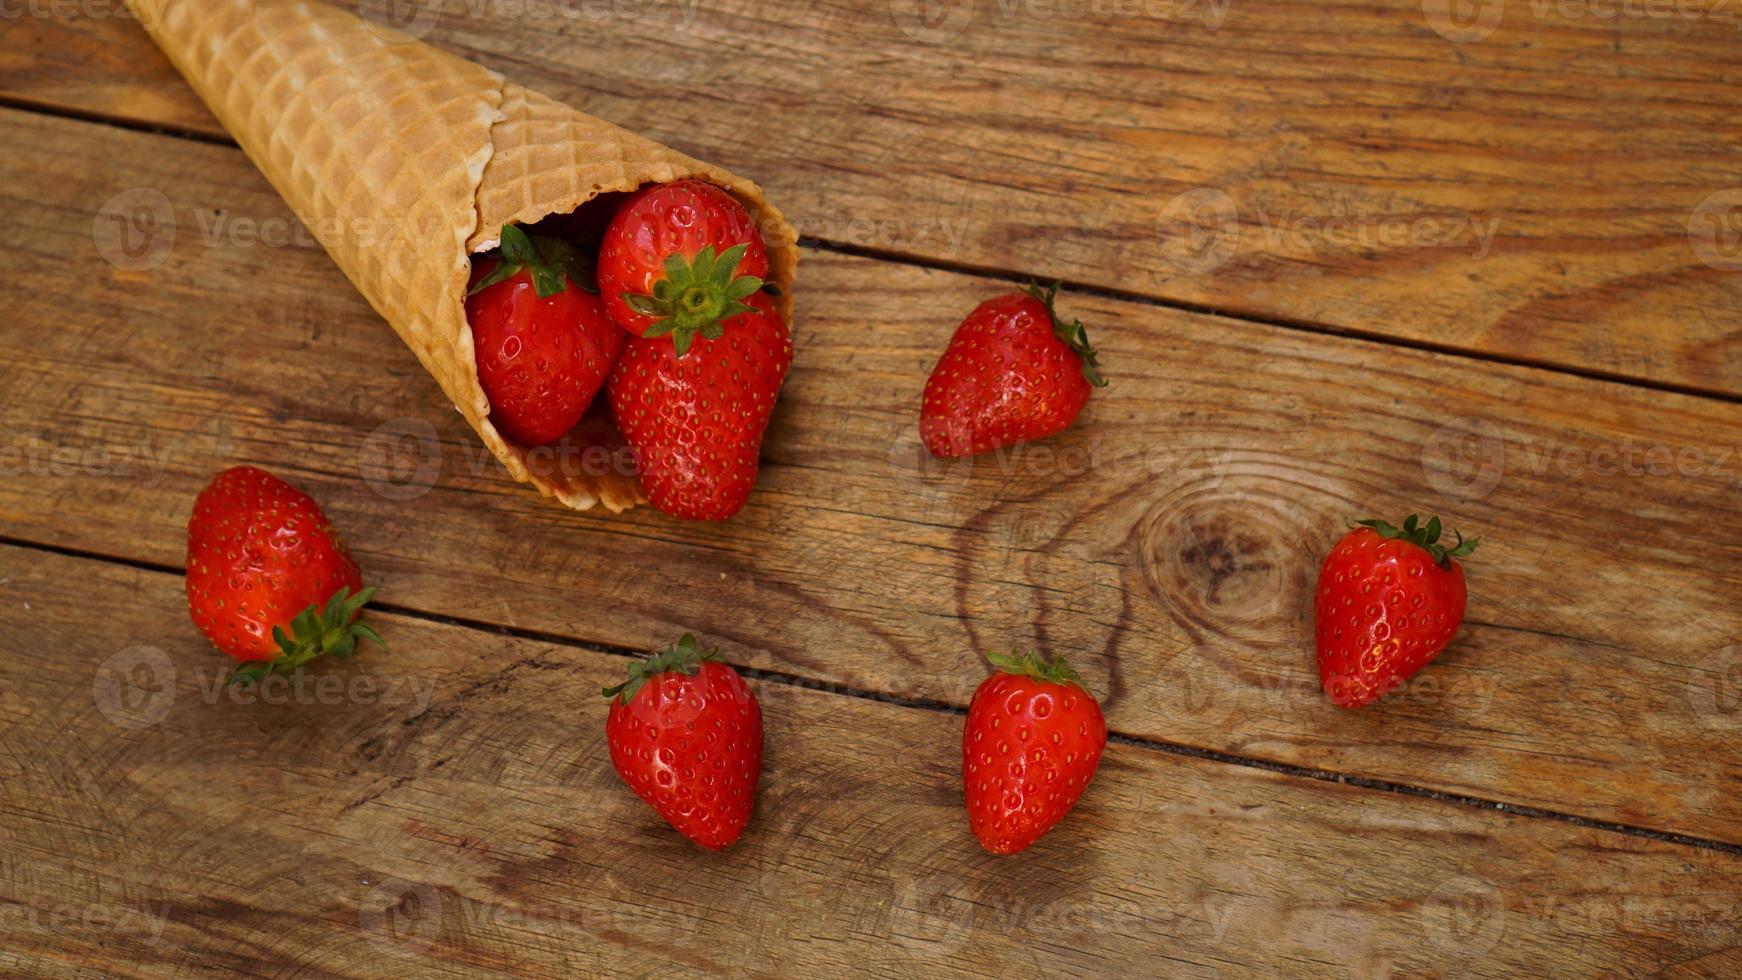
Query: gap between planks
(944, 707)
(1006, 275)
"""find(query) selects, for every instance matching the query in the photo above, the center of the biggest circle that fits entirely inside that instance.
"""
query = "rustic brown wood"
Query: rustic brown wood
(1543, 193)
(75, 56)
(1166, 543)
(449, 807)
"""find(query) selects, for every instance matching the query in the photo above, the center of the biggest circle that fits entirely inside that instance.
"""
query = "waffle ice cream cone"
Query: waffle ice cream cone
(403, 160)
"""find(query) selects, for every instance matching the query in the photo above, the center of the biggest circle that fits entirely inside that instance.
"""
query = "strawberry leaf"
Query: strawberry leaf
(684, 657)
(503, 272)
(552, 263)
(1424, 537)
(516, 247)
(646, 306)
(314, 632)
(696, 296)
(1073, 334)
(1032, 664)
(742, 287)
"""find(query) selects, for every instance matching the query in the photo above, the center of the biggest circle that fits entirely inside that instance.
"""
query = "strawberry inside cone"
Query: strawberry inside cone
(680, 259)
(666, 304)
(544, 344)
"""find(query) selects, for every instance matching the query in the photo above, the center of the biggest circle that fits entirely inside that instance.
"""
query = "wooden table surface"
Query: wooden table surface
(1341, 258)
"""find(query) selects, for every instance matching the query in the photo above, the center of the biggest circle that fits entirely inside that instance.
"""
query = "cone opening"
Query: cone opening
(592, 453)
(585, 223)
(582, 227)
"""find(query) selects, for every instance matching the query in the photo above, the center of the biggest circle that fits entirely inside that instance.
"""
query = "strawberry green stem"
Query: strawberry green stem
(696, 296)
(553, 263)
(683, 657)
(1032, 664)
(1072, 334)
(1425, 536)
(315, 632)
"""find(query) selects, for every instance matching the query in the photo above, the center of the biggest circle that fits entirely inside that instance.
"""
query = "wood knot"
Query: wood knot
(1229, 559)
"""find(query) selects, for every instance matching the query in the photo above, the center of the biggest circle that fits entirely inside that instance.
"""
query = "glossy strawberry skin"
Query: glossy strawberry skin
(1383, 609)
(260, 551)
(696, 422)
(541, 360)
(1029, 749)
(691, 746)
(661, 220)
(1006, 377)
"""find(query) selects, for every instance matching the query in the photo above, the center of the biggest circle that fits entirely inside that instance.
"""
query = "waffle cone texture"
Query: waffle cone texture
(403, 160)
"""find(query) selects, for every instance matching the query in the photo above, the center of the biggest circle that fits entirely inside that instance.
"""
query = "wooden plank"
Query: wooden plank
(1167, 543)
(1550, 193)
(85, 59)
(449, 807)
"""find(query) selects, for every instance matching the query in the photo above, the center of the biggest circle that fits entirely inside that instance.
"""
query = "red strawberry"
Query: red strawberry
(1013, 371)
(1389, 600)
(1032, 743)
(695, 420)
(685, 733)
(657, 261)
(266, 579)
(544, 344)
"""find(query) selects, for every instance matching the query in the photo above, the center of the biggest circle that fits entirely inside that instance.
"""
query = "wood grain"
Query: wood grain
(92, 57)
(449, 808)
(1561, 190)
(1166, 543)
